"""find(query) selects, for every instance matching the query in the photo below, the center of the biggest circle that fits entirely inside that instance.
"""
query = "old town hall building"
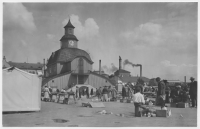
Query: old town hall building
(70, 65)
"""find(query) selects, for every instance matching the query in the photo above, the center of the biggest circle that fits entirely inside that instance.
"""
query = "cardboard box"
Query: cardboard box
(163, 113)
(123, 100)
(173, 105)
(183, 105)
(129, 101)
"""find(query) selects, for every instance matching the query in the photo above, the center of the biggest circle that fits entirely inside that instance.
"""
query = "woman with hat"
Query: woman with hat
(46, 94)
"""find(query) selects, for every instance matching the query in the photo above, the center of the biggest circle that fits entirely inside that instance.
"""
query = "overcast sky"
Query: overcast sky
(160, 36)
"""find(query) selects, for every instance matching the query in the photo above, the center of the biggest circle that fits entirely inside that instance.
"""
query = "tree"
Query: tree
(140, 81)
(152, 82)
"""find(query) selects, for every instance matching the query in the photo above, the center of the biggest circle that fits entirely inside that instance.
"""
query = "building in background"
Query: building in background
(34, 68)
(70, 65)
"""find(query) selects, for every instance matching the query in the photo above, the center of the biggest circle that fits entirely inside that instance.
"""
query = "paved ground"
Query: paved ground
(78, 116)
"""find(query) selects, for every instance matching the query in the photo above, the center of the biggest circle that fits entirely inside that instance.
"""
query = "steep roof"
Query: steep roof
(121, 71)
(69, 36)
(30, 66)
(133, 79)
(103, 77)
(68, 54)
(69, 25)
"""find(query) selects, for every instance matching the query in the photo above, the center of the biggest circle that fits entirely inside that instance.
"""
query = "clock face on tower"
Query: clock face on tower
(71, 42)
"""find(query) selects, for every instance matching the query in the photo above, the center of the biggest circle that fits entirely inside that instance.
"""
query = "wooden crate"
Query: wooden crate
(86, 105)
(163, 113)
(173, 105)
(183, 105)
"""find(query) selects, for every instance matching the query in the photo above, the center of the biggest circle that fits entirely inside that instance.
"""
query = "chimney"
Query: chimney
(140, 70)
(44, 63)
(99, 66)
(185, 80)
(4, 58)
(120, 63)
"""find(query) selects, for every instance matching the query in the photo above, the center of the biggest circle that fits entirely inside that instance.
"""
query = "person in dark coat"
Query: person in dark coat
(167, 91)
(177, 96)
(79, 92)
(98, 93)
(91, 92)
(161, 92)
(87, 92)
(193, 92)
(123, 92)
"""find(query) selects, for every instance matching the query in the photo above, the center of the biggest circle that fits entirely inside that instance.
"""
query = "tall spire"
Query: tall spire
(69, 25)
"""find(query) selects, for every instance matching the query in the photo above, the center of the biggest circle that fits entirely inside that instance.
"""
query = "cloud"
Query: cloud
(180, 5)
(173, 71)
(167, 63)
(87, 30)
(109, 70)
(50, 36)
(145, 34)
(16, 14)
(23, 43)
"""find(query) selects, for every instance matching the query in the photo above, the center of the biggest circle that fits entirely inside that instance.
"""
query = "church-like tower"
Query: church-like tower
(69, 40)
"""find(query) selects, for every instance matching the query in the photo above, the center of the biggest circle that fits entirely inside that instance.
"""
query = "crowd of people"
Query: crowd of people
(175, 94)
(164, 93)
(105, 94)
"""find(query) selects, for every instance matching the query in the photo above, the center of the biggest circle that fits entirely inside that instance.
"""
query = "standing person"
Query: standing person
(101, 93)
(71, 93)
(105, 93)
(87, 92)
(126, 90)
(98, 93)
(54, 94)
(114, 93)
(46, 94)
(123, 92)
(167, 91)
(91, 92)
(50, 94)
(193, 92)
(109, 93)
(138, 100)
(161, 92)
(77, 92)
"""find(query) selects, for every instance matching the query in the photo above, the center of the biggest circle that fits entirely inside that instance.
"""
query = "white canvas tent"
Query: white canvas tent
(21, 90)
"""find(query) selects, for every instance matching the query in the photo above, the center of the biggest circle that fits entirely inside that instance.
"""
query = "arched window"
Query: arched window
(81, 65)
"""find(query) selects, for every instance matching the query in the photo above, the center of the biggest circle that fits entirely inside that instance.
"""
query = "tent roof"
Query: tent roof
(15, 68)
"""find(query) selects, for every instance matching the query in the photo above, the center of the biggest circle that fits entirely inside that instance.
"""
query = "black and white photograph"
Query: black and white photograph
(99, 64)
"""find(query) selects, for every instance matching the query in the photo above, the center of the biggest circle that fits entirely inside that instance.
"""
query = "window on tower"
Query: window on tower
(70, 31)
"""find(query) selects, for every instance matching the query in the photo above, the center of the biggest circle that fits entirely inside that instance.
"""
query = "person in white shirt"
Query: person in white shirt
(138, 100)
